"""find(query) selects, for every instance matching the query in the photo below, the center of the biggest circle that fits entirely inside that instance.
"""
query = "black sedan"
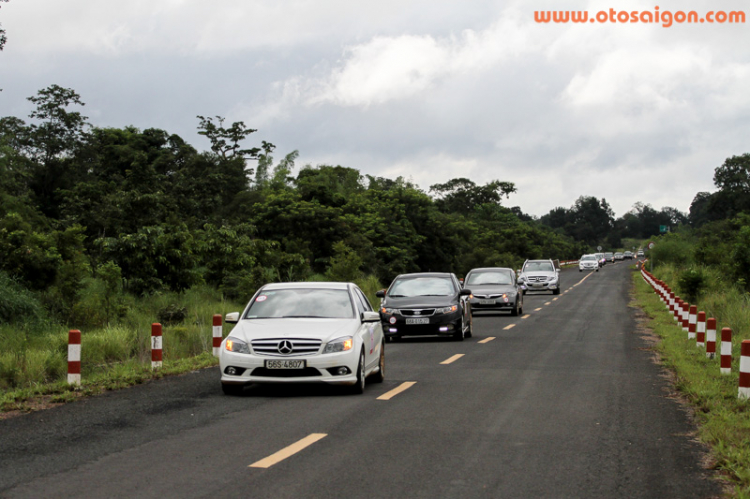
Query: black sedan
(494, 288)
(428, 303)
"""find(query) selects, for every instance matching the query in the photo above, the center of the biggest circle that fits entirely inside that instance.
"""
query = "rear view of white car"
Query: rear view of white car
(307, 332)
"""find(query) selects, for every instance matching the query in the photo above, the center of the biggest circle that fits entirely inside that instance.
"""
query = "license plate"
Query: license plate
(486, 302)
(285, 364)
(421, 320)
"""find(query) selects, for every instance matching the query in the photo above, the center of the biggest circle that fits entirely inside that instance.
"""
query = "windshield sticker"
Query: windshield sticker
(261, 298)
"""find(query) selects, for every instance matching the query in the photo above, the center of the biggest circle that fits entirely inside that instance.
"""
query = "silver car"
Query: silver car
(540, 275)
(494, 288)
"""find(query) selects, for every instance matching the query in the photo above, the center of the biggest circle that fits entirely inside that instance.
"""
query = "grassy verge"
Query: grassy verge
(33, 360)
(723, 420)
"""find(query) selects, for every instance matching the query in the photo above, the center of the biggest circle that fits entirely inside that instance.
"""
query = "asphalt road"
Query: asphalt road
(564, 402)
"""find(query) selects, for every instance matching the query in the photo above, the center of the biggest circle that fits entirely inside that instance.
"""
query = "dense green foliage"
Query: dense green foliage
(90, 216)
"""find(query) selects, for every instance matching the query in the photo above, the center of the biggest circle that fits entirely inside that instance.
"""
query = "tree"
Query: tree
(226, 141)
(461, 195)
(3, 38)
(591, 220)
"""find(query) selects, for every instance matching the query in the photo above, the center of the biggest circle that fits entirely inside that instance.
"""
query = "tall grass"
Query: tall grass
(116, 352)
(724, 421)
(35, 355)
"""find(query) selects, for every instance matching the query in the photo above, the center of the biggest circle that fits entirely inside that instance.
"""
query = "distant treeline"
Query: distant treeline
(143, 211)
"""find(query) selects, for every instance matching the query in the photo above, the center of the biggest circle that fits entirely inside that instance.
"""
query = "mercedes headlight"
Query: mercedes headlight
(339, 345)
(236, 346)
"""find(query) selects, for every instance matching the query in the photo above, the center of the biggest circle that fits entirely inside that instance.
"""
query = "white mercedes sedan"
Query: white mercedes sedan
(304, 332)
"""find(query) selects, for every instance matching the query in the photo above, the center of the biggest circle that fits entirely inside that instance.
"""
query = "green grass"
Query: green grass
(723, 420)
(33, 361)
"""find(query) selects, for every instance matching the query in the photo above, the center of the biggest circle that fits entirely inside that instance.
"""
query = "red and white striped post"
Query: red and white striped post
(726, 351)
(692, 321)
(217, 334)
(744, 391)
(156, 346)
(672, 304)
(711, 338)
(685, 317)
(701, 330)
(74, 357)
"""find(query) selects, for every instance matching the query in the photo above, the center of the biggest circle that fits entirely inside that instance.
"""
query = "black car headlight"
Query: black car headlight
(446, 310)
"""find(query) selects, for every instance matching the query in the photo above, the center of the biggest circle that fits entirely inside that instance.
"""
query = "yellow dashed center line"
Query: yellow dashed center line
(554, 299)
(452, 359)
(549, 302)
(537, 309)
(288, 451)
(487, 340)
(526, 316)
(402, 387)
(509, 326)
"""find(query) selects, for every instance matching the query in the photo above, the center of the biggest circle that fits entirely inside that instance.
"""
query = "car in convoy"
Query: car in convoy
(540, 275)
(426, 303)
(618, 256)
(304, 332)
(640, 253)
(627, 255)
(494, 288)
(610, 257)
(588, 262)
(600, 258)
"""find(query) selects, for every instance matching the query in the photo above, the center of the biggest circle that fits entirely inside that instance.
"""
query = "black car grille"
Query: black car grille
(285, 373)
(487, 297)
(299, 346)
(423, 312)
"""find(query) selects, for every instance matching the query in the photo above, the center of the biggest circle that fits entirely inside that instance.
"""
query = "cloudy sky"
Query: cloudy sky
(425, 89)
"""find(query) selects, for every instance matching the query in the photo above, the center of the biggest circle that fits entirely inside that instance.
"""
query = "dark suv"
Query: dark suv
(428, 303)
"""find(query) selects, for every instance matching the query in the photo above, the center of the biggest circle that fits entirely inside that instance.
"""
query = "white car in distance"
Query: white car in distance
(305, 332)
(588, 262)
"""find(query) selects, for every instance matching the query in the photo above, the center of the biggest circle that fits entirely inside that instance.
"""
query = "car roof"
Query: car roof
(492, 269)
(425, 274)
(308, 285)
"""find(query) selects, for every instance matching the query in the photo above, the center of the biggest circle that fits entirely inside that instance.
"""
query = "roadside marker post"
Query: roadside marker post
(711, 338)
(217, 334)
(726, 351)
(701, 330)
(672, 304)
(744, 390)
(156, 346)
(686, 316)
(74, 357)
(692, 321)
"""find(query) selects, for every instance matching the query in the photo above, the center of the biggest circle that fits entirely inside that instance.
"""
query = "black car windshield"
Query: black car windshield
(422, 286)
(538, 267)
(489, 277)
(301, 303)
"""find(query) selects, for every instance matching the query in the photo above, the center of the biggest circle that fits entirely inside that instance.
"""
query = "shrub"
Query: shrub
(17, 303)
(692, 283)
(172, 314)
